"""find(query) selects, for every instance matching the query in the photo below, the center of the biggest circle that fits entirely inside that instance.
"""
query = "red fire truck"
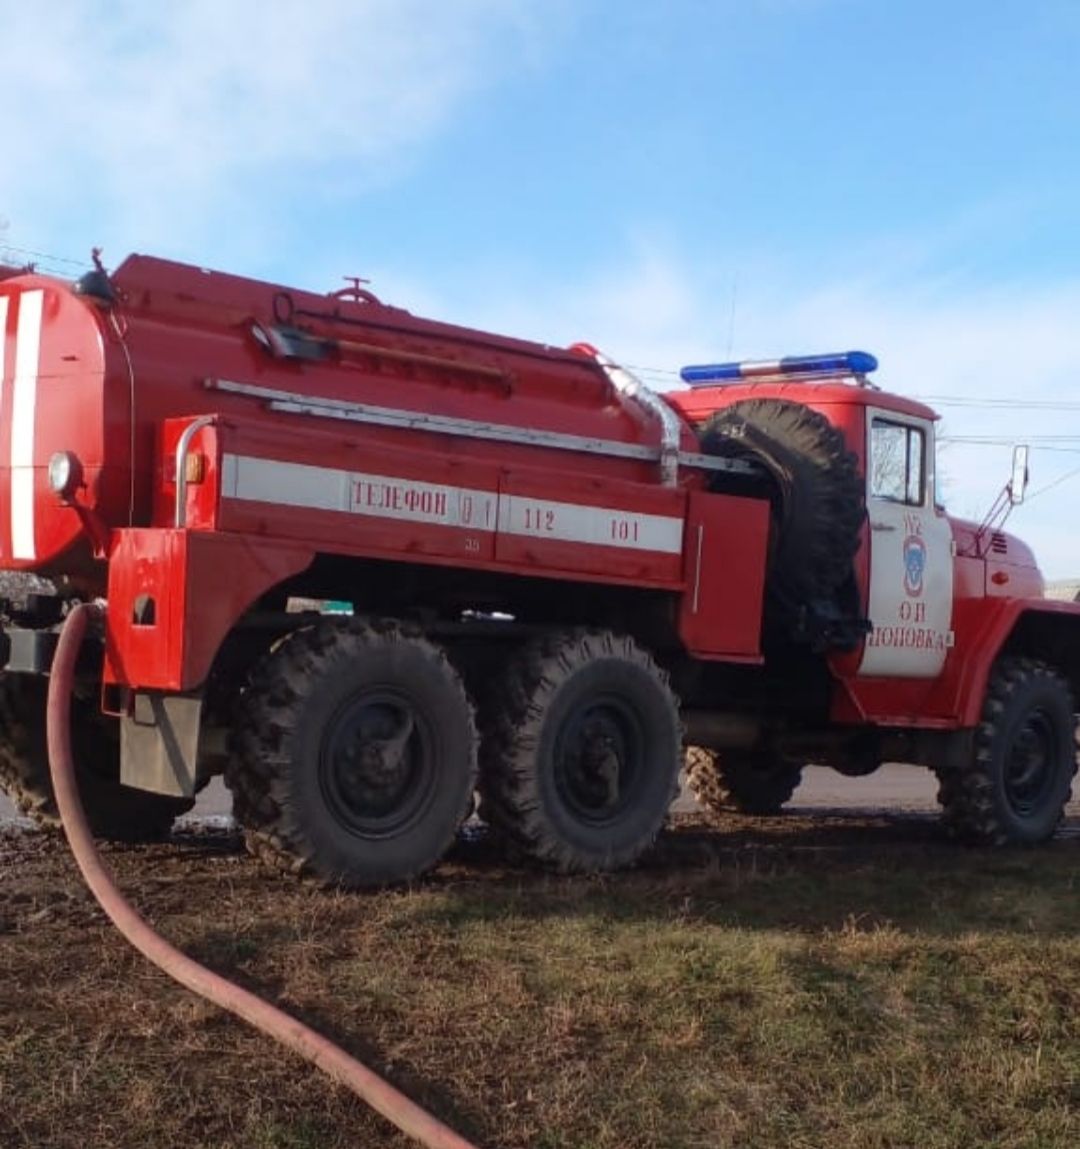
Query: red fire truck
(556, 581)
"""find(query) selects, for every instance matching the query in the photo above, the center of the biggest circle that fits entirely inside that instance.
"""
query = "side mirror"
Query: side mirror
(1018, 482)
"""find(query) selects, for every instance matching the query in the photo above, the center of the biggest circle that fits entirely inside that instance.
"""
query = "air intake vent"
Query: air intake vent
(999, 543)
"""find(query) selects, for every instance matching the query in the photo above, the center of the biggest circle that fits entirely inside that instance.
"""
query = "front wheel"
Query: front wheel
(1014, 788)
(355, 754)
(581, 756)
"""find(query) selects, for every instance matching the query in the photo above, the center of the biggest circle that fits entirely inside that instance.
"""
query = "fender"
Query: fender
(170, 607)
(984, 629)
(987, 628)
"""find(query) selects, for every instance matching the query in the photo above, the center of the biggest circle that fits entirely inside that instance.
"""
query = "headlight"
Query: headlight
(65, 474)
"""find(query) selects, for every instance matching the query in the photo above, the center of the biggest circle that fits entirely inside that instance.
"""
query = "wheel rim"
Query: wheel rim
(599, 755)
(1030, 766)
(377, 763)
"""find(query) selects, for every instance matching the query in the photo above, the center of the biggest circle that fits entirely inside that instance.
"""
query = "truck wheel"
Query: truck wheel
(115, 812)
(354, 754)
(1017, 783)
(812, 483)
(581, 761)
(741, 781)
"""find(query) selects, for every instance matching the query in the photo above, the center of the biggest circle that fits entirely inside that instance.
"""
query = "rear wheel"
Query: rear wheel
(355, 754)
(1014, 789)
(581, 759)
(748, 782)
(115, 812)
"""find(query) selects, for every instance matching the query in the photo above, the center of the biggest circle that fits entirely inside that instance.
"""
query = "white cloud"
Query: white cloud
(159, 123)
(934, 338)
(189, 127)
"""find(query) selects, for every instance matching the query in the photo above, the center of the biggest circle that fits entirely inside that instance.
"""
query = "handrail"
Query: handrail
(183, 445)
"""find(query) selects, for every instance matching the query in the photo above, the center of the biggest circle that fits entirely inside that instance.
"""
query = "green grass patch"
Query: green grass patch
(884, 997)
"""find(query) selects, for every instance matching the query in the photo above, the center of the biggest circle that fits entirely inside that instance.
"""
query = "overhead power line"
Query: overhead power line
(1011, 404)
(1047, 442)
(1056, 483)
(1003, 442)
(28, 253)
(1005, 402)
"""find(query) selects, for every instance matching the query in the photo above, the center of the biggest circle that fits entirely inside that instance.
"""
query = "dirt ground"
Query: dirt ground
(840, 975)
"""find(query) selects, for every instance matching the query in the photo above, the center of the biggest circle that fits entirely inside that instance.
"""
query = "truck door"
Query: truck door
(911, 562)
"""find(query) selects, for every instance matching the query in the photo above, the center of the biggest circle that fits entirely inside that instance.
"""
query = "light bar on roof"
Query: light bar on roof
(845, 363)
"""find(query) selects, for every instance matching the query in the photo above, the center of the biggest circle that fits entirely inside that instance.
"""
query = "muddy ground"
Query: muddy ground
(98, 1049)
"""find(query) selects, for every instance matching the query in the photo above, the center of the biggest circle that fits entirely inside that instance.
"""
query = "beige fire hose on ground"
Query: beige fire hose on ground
(364, 1082)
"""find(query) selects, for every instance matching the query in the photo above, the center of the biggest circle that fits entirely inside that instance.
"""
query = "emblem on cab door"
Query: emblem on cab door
(914, 564)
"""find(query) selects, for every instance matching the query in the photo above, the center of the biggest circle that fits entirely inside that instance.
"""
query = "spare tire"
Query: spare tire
(813, 485)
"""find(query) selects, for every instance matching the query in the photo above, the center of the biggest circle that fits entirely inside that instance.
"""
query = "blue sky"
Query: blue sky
(672, 181)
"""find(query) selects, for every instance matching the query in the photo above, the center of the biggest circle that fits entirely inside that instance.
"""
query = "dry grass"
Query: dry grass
(890, 992)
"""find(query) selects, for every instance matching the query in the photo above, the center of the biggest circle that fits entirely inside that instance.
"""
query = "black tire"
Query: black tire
(581, 761)
(115, 812)
(813, 485)
(740, 781)
(354, 756)
(1015, 787)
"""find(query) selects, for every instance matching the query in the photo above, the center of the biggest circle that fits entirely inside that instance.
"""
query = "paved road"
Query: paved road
(891, 788)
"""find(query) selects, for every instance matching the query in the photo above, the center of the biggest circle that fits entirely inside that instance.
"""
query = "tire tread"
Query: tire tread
(510, 801)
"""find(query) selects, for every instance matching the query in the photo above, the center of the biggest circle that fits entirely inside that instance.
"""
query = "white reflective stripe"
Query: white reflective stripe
(23, 407)
(381, 496)
(599, 526)
(393, 497)
(3, 346)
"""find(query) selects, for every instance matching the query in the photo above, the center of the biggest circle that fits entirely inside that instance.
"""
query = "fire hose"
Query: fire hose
(333, 1061)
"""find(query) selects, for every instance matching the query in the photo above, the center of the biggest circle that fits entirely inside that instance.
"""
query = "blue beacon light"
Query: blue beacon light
(847, 363)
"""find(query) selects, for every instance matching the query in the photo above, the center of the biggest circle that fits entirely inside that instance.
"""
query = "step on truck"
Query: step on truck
(371, 567)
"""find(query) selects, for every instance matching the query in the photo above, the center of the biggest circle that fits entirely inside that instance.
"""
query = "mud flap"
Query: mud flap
(159, 743)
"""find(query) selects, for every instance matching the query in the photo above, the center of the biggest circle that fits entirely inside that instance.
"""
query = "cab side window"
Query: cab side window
(897, 463)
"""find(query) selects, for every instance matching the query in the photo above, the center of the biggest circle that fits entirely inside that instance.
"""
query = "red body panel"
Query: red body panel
(996, 582)
(56, 394)
(170, 607)
(720, 613)
(274, 482)
(279, 475)
(109, 380)
(982, 628)
(118, 385)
